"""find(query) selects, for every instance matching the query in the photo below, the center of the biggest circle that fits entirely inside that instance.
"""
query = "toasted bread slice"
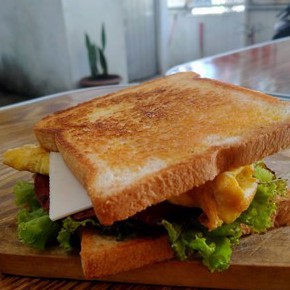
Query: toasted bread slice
(103, 255)
(93, 111)
(141, 146)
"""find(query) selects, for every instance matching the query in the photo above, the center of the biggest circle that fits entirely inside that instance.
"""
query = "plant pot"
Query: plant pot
(102, 80)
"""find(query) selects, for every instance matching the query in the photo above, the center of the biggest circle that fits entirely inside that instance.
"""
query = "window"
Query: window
(268, 2)
(202, 3)
(198, 7)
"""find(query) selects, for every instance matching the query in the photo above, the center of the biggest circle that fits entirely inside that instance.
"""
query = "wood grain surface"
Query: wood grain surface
(264, 67)
(260, 262)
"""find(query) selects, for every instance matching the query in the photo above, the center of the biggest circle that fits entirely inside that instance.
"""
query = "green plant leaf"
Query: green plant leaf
(92, 56)
(103, 37)
(88, 43)
(103, 62)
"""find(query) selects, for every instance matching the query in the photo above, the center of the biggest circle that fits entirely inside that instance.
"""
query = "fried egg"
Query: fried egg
(29, 157)
(223, 199)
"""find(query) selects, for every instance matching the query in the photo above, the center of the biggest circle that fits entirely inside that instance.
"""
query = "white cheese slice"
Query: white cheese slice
(67, 194)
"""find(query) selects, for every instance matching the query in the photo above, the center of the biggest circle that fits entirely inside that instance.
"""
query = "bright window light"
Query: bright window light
(208, 6)
(217, 9)
(238, 8)
(208, 10)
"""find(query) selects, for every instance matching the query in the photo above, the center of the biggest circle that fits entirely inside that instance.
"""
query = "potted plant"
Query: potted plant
(98, 64)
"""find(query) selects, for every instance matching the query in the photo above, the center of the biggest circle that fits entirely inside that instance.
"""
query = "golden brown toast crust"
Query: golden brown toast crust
(102, 255)
(76, 116)
(140, 146)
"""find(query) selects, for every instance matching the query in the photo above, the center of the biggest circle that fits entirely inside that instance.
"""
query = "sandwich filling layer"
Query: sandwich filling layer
(253, 190)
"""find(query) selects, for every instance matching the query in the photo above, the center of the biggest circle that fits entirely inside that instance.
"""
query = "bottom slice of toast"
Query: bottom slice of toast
(103, 255)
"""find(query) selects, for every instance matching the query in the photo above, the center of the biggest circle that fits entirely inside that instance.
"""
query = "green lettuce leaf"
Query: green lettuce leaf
(220, 259)
(262, 173)
(24, 195)
(34, 225)
(68, 232)
(36, 229)
(214, 248)
(259, 215)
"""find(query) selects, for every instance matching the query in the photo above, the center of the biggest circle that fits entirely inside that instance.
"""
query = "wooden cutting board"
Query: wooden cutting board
(259, 262)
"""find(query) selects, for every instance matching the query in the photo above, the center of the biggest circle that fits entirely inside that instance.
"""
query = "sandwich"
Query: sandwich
(171, 168)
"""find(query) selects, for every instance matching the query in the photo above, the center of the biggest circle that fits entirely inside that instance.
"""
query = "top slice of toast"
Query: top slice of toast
(147, 143)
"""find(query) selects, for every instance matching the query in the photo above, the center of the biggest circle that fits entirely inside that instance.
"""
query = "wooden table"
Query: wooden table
(16, 129)
(264, 67)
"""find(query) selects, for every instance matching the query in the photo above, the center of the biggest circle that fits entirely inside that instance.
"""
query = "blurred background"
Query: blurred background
(51, 46)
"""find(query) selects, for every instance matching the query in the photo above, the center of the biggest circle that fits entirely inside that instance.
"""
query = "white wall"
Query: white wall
(222, 33)
(146, 34)
(140, 33)
(32, 47)
(42, 48)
